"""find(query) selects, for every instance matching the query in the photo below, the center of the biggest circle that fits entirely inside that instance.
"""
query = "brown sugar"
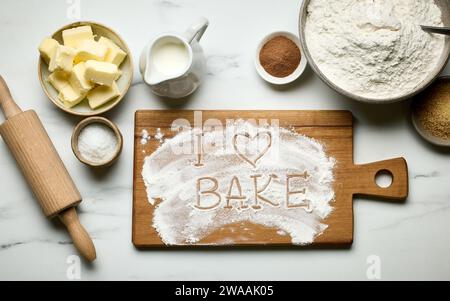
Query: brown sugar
(280, 56)
(433, 111)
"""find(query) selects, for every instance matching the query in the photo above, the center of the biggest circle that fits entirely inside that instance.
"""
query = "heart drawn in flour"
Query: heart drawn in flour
(251, 139)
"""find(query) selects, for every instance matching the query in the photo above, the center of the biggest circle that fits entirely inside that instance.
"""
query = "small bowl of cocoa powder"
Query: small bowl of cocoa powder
(279, 58)
(431, 112)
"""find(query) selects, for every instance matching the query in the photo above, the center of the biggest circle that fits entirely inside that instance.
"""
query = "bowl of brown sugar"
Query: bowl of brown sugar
(279, 58)
(431, 112)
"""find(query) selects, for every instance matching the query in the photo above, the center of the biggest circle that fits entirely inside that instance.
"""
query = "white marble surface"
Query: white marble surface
(410, 239)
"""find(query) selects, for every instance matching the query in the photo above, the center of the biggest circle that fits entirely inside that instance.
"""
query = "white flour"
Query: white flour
(159, 135)
(374, 48)
(145, 137)
(172, 173)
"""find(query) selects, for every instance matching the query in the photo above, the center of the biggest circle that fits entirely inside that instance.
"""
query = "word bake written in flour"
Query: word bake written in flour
(245, 202)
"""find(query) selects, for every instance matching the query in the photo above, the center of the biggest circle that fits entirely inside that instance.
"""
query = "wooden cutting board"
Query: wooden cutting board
(334, 129)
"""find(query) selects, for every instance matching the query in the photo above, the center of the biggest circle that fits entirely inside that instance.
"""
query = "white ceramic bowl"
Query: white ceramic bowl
(280, 80)
(124, 82)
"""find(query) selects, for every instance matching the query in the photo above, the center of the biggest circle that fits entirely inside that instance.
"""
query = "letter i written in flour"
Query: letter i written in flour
(198, 149)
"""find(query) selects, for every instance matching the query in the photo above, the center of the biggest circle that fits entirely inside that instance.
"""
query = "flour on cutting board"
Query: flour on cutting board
(145, 137)
(264, 175)
(159, 135)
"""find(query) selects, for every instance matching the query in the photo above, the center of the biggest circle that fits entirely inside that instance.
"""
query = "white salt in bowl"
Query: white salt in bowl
(445, 9)
(280, 80)
(123, 83)
(92, 120)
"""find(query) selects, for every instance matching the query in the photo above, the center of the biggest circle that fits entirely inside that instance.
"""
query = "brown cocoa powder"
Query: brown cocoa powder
(280, 56)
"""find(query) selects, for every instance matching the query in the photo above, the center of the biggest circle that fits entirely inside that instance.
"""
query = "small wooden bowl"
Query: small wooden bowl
(76, 133)
(124, 82)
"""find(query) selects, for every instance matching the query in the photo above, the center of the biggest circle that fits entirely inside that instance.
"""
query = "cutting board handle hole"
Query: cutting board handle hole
(384, 178)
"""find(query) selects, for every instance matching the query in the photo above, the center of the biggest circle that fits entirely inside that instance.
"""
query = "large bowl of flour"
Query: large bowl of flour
(374, 50)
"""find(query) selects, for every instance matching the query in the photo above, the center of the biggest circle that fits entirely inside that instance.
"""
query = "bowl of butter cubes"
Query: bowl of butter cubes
(85, 68)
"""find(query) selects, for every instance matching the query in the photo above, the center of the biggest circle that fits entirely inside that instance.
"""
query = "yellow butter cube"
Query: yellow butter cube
(71, 96)
(115, 54)
(102, 94)
(78, 78)
(91, 50)
(102, 73)
(72, 37)
(47, 48)
(58, 80)
(62, 59)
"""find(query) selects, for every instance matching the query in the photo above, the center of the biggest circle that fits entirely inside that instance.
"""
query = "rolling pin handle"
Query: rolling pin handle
(80, 237)
(7, 104)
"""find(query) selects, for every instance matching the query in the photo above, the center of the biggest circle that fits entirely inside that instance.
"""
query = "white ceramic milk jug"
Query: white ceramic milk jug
(173, 64)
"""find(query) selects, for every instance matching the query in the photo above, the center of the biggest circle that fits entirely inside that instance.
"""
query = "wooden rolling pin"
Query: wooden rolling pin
(43, 169)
